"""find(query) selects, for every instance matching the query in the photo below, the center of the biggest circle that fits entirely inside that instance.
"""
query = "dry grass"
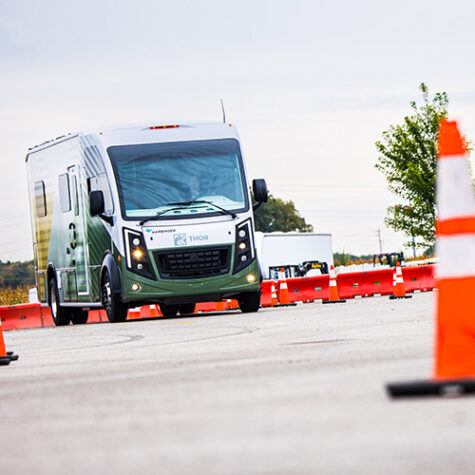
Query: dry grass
(9, 296)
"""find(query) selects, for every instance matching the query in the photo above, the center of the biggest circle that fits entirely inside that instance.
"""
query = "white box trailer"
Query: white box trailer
(291, 249)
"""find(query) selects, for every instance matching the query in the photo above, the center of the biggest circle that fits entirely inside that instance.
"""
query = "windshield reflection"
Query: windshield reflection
(151, 177)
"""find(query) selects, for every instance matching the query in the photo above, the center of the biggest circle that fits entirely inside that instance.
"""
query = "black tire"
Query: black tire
(115, 309)
(61, 315)
(250, 301)
(169, 310)
(79, 316)
(187, 308)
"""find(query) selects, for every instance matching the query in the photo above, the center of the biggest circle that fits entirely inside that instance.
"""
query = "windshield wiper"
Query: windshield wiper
(185, 205)
(159, 215)
(198, 202)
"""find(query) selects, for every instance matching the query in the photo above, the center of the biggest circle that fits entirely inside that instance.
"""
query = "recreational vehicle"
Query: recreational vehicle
(157, 214)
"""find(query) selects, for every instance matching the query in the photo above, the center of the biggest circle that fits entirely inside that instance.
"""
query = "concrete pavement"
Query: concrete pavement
(286, 390)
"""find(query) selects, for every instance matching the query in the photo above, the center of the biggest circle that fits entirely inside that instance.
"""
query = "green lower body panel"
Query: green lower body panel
(188, 290)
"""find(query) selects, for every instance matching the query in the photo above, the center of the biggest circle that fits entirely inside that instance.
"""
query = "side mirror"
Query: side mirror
(96, 203)
(259, 188)
(97, 207)
(261, 195)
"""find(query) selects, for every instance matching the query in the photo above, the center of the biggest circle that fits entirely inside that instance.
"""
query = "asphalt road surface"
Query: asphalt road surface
(284, 391)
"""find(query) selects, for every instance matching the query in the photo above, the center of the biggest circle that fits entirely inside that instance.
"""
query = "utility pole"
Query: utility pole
(380, 244)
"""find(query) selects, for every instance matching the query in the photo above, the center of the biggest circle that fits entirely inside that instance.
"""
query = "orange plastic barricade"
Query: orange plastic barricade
(96, 316)
(308, 289)
(419, 278)
(266, 293)
(28, 315)
(205, 307)
(232, 304)
(365, 284)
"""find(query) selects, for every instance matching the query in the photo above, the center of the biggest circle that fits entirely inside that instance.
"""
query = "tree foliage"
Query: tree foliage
(17, 274)
(409, 162)
(279, 215)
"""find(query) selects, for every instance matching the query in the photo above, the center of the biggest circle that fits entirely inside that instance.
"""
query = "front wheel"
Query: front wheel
(116, 310)
(249, 301)
(61, 315)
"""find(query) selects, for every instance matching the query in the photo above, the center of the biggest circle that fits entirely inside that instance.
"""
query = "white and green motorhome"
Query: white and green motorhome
(143, 215)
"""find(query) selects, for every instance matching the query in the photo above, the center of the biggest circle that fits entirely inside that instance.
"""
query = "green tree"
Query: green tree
(409, 161)
(279, 215)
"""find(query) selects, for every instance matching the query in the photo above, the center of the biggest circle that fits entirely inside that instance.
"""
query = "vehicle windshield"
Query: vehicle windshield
(153, 178)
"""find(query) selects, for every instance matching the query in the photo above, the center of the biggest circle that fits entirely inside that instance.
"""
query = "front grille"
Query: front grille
(193, 263)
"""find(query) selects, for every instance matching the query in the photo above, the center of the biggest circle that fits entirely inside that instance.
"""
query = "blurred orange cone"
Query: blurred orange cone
(454, 371)
(399, 291)
(5, 356)
(333, 297)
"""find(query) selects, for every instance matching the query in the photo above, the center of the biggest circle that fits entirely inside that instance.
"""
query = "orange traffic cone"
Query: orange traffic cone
(399, 291)
(5, 356)
(273, 296)
(454, 371)
(284, 299)
(334, 297)
(153, 311)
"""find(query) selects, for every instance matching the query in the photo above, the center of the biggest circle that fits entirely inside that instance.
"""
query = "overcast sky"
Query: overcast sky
(309, 84)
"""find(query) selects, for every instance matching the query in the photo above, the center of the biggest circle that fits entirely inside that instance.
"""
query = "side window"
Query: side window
(40, 199)
(100, 182)
(64, 193)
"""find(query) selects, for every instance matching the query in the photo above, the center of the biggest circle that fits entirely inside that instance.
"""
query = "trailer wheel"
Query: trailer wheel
(61, 315)
(116, 311)
(169, 310)
(187, 308)
(249, 301)
(79, 316)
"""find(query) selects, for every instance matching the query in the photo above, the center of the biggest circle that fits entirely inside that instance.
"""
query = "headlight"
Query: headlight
(136, 254)
(244, 249)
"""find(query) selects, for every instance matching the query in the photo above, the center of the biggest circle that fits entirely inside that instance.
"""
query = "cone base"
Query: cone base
(12, 356)
(334, 301)
(393, 297)
(442, 388)
(4, 360)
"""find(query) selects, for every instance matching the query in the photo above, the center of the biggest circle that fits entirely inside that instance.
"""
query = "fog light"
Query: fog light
(135, 286)
(242, 245)
(137, 254)
(251, 278)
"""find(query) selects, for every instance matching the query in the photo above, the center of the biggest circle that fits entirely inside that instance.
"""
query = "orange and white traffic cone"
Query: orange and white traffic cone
(333, 297)
(284, 299)
(273, 296)
(454, 370)
(153, 311)
(399, 291)
(5, 356)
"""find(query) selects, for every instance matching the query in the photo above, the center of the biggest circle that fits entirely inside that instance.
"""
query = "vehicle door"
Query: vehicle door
(77, 232)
